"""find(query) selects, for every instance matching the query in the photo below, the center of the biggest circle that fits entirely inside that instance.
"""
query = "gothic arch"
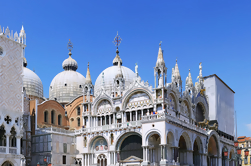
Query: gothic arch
(214, 134)
(130, 93)
(189, 107)
(91, 142)
(10, 160)
(202, 101)
(200, 144)
(130, 144)
(153, 132)
(175, 98)
(123, 136)
(97, 103)
(187, 139)
(170, 138)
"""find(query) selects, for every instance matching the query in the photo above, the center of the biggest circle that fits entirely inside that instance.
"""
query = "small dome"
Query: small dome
(109, 75)
(66, 86)
(70, 64)
(32, 83)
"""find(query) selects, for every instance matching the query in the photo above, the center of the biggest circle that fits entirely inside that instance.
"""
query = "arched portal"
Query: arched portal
(231, 158)
(170, 151)
(199, 114)
(182, 151)
(196, 154)
(101, 160)
(212, 152)
(7, 163)
(223, 158)
(154, 148)
(131, 146)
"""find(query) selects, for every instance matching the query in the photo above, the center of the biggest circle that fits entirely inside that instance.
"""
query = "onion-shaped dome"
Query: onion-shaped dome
(106, 78)
(70, 64)
(31, 82)
(68, 84)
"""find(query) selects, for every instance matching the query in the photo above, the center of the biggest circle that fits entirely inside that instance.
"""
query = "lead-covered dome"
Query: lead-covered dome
(31, 82)
(68, 84)
(106, 78)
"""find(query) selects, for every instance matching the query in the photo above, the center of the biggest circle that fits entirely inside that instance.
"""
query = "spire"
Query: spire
(176, 71)
(189, 81)
(160, 59)
(69, 47)
(88, 76)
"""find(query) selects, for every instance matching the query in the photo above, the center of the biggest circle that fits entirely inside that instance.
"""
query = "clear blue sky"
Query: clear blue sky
(214, 32)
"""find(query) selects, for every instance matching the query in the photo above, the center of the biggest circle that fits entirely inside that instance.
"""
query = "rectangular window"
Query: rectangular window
(65, 148)
(64, 159)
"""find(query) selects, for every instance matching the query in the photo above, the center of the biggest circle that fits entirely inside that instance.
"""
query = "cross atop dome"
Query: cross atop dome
(117, 40)
(70, 46)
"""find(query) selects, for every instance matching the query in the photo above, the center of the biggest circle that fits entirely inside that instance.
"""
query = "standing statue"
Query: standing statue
(136, 69)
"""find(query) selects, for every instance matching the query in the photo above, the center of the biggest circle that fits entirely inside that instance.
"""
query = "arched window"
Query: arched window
(59, 120)
(52, 117)
(78, 121)
(12, 137)
(78, 111)
(46, 116)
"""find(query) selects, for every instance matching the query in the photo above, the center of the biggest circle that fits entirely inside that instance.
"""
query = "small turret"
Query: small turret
(160, 59)
(176, 78)
(22, 36)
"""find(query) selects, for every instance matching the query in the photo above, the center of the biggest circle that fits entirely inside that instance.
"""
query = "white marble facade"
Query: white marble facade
(11, 96)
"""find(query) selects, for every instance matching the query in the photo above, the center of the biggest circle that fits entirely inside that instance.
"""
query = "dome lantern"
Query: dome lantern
(70, 63)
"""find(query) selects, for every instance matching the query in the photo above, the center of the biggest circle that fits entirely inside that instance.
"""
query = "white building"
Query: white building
(11, 96)
(121, 120)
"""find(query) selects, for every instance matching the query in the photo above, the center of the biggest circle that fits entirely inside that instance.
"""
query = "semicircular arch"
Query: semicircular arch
(130, 93)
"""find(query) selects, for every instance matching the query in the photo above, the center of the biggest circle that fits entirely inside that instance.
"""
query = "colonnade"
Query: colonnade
(125, 116)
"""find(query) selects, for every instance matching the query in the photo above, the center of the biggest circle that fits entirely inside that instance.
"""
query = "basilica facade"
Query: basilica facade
(122, 120)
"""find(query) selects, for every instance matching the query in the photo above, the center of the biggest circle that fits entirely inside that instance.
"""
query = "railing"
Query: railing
(2, 149)
(53, 130)
(109, 127)
(13, 150)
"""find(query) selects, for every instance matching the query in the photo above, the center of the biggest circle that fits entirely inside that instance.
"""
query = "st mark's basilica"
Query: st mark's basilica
(117, 120)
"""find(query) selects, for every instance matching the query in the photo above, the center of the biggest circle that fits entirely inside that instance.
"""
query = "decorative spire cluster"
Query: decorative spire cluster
(9, 34)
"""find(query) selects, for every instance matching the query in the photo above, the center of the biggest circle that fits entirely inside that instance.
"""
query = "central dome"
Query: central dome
(110, 74)
(68, 84)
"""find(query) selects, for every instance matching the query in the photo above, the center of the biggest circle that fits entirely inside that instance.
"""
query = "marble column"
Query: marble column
(110, 120)
(85, 160)
(82, 162)
(144, 154)
(130, 116)
(18, 145)
(88, 160)
(7, 143)
(136, 112)
(114, 157)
